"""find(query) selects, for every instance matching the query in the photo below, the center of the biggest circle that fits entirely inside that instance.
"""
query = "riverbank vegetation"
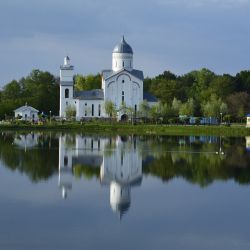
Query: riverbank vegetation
(109, 128)
(200, 93)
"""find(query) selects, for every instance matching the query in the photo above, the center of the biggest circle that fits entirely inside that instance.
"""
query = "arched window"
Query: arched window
(99, 110)
(65, 160)
(66, 93)
(122, 63)
(122, 97)
(93, 110)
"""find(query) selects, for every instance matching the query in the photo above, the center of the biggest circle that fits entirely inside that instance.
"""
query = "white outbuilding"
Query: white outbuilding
(248, 121)
(26, 113)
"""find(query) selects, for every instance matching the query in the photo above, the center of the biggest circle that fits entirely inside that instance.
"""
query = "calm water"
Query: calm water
(64, 191)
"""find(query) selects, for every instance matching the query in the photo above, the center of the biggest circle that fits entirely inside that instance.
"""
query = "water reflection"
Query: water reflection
(120, 162)
(121, 169)
(118, 159)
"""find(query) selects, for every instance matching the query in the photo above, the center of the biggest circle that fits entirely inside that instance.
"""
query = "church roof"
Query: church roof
(93, 94)
(136, 73)
(148, 97)
(123, 47)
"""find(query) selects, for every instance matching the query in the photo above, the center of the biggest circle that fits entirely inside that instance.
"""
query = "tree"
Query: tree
(110, 109)
(155, 112)
(87, 82)
(166, 112)
(222, 86)
(144, 109)
(213, 107)
(187, 108)
(238, 104)
(11, 90)
(176, 105)
(70, 111)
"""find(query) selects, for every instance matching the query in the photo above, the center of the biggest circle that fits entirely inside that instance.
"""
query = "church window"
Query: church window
(122, 159)
(65, 160)
(134, 144)
(135, 109)
(123, 81)
(92, 145)
(122, 63)
(99, 110)
(122, 97)
(66, 93)
(93, 110)
(99, 145)
(85, 110)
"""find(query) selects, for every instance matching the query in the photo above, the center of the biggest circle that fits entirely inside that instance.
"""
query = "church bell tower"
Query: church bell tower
(66, 85)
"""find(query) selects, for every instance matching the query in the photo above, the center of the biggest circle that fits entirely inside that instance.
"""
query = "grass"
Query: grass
(143, 129)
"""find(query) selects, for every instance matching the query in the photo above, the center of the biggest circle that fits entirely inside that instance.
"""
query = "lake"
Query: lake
(76, 191)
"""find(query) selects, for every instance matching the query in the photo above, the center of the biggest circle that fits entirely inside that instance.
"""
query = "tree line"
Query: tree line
(197, 93)
(203, 93)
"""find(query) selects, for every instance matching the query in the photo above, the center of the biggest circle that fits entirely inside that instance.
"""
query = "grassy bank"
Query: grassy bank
(116, 128)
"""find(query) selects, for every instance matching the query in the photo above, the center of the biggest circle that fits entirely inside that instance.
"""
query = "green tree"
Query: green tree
(187, 108)
(144, 109)
(70, 111)
(155, 112)
(213, 107)
(176, 105)
(87, 82)
(110, 109)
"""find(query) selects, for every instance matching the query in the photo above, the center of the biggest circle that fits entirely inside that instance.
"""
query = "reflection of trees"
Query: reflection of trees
(199, 164)
(163, 157)
(37, 163)
(87, 171)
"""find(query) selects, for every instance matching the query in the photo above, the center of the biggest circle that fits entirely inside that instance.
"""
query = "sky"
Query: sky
(175, 35)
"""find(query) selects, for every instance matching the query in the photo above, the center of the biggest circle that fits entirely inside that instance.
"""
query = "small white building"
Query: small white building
(26, 113)
(248, 121)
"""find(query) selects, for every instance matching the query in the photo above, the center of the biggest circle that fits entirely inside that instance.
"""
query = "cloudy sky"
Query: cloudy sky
(176, 35)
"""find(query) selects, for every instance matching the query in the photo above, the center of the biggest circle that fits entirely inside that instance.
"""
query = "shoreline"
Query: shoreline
(146, 129)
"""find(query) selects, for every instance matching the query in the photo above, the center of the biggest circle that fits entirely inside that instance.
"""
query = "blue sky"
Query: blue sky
(176, 35)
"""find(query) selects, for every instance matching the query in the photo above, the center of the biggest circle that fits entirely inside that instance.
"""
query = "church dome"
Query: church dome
(123, 47)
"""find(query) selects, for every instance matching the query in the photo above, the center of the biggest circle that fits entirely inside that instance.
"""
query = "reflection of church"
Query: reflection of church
(118, 159)
(121, 170)
(76, 151)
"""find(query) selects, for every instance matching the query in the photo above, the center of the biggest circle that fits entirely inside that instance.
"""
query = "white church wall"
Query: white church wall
(85, 110)
(64, 102)
(124, 88)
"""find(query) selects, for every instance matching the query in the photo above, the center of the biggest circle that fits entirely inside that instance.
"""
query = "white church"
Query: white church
(122, 85)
